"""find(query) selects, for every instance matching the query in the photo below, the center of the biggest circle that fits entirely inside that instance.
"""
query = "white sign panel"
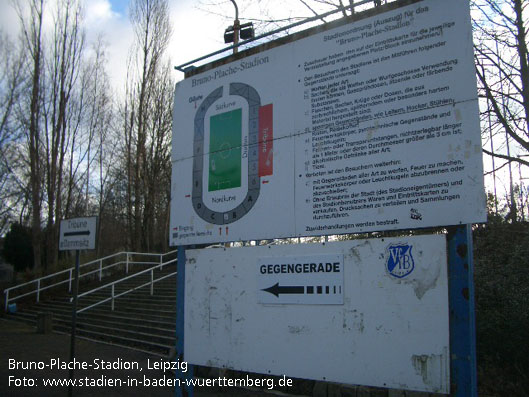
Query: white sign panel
(373, 125)
(390, 331)
(78, 234)
(315, 279)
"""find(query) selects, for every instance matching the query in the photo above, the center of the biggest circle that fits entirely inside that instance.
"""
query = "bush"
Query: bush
(18, 250)
(502, 302)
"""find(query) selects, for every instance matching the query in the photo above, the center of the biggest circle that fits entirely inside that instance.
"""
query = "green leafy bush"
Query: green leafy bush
(17, 247)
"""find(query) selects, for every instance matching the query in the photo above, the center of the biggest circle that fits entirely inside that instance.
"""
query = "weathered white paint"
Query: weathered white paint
(389, 332)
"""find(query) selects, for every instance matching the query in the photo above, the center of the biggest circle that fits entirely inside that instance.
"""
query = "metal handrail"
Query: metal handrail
(99, 269)
(113, 295)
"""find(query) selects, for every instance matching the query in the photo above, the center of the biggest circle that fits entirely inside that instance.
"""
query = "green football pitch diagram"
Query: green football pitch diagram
(225, 140)
(224, 169)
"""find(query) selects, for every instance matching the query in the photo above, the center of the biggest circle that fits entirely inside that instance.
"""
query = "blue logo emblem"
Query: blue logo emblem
(399, 262)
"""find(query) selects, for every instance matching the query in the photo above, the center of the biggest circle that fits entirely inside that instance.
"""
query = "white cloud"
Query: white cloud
(8, 19)
(101, 20)
(195, 33)
(99, 12)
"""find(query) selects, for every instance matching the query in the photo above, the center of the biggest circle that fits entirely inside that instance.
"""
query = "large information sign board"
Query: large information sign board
(388, 329)
(369, 126)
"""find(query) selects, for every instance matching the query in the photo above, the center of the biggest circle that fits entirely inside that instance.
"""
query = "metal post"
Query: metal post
(182, 390)
(112, 298)
(38, 290)
(127, 264)
(236, 28)
(152, 281)
(74, 319)
(70, 281)
(7, 299)
(100, 269)
(463, 372)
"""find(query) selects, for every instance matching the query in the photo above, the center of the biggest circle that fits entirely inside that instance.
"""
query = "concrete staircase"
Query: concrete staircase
(139, 320)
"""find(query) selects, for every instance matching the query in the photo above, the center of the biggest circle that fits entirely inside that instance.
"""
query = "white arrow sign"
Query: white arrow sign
(77, 234)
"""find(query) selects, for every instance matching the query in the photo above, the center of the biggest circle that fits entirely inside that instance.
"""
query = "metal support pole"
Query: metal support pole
(74, 320)
(7, 300)
(100, 269)
(236, 28)
(70, 281)
(182, 390)
(152, 281)
(463, 368)
(38, 290)
(112, 298)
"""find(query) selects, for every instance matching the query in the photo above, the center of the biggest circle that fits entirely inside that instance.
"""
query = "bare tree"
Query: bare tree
(503, 75)
(158, 163)
(63, 68)
(31, 38)
(65, 113)
(142, 128)
(101, 145)
(11, 84)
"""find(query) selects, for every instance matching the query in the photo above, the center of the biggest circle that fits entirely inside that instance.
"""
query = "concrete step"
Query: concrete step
(147, 302)
(132, 342)
(143, 292)
(163, 329)
(114, 332)
(120, 310)
(107, 315)
(140, 320)
(137, 310)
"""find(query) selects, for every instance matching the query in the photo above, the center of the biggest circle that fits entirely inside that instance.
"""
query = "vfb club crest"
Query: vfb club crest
(399, 260)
